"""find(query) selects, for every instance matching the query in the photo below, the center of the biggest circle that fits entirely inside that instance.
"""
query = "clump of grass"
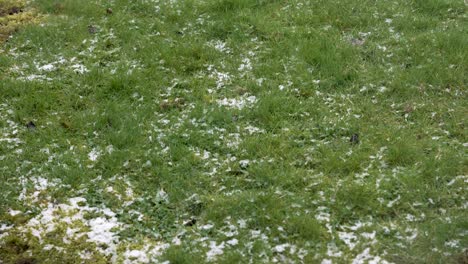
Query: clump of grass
(179, 255)
(306, 228)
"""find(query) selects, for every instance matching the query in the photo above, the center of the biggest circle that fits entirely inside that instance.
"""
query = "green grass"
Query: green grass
(219, 131)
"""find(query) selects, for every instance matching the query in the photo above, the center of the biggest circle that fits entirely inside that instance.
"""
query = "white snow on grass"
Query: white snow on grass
(79, 68)
(244, 163)
(75, 221)
(100, 230)
(4, 230)
(220, 46)
(281, 248)
(222, 78)
(14, 212)
(136, 256)
(206, 227)
(40, 70)
(146, 253)
(254, 130)
(366, 258)
(350, 239)
(47, 67)
(238, 103)
(333, 251)
(233, 242)
(215, 250)
(246, 65)
(94, 154)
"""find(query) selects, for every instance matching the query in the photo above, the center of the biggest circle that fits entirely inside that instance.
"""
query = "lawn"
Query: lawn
(233, 131)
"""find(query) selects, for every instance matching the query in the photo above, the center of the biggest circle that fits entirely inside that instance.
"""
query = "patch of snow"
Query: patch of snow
(14, 212)
(233, 242)
(369, 235)
(94, 154)
(215, 250)
(246, 65)
(220, 46)
(101, 230)
(242, 223)
(252, 130)
(350, 239)
(366, 258)
(244, 163)
(333, 251)
(79, 68)
(206, 227)
(3, 230)
(455, 243)
(47, 67)
(238, 103)
(222, 78)
(281, 248)
(136, 256)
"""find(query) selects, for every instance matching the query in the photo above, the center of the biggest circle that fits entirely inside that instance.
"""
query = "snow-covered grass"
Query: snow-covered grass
(235, 131)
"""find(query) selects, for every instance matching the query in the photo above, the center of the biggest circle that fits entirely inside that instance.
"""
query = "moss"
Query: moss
(19, 249)
(12, 248)
(13, 15)
(8, 7)
(20, 246)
